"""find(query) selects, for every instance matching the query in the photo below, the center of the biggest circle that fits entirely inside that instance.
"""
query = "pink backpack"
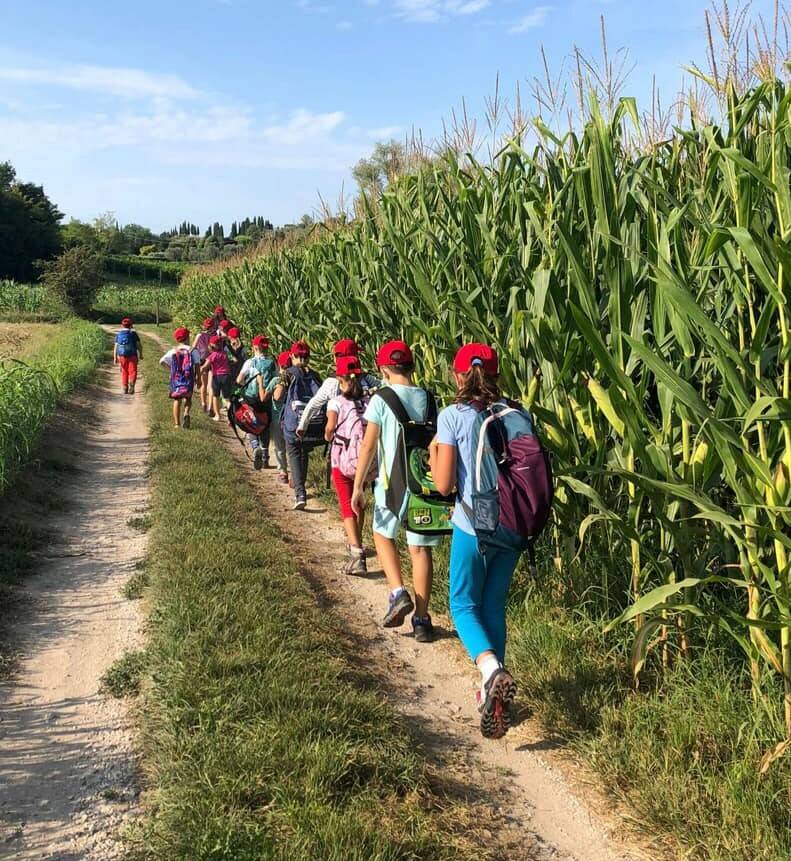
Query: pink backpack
(349, 433)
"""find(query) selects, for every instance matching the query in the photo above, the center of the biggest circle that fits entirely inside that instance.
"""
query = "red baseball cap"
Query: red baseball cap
(215, 341)
(345, 366)
(260, 341)
(225, 324)
(300, 348)
(284, 359)
(207, 323)
(233, 332)
(126, 322)
(346, 347)
(394, 353)
(182, 334)
(219, 311)
(476, 354)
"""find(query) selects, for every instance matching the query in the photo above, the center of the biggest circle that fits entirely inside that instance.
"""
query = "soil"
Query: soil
(68, 767)
(539, 803)
(19, 340)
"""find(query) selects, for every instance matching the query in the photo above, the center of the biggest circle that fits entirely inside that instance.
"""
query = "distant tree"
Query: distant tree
(387, 161)
(29, 226)
(145, 250)
(75, 277)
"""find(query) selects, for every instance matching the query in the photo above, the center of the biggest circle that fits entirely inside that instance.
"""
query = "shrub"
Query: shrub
(75, 277)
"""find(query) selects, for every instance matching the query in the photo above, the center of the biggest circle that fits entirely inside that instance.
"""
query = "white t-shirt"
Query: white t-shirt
(167, 359)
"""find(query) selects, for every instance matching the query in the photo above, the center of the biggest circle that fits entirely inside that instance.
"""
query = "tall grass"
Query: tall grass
(29, 392)
(24, 298)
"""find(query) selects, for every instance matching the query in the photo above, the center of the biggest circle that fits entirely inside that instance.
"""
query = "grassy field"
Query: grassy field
(260, 739)
(23, 340)
(29, 391)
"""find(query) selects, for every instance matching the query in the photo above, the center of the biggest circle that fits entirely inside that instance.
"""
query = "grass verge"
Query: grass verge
(260, 740)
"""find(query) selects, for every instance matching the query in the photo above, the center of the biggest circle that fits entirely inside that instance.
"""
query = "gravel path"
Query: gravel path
(67, 761)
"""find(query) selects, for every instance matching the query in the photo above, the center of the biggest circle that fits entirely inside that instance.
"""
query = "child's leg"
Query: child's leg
(187, 405)
(177, 413)
(500, 567)
(422, 577)
(296, 465)
(280, 447)
(344, 485)
(122, 364)
(132, 370)
(467, 579)
(387, 552)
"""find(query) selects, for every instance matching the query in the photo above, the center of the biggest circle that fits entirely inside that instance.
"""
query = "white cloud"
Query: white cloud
(532, 21)
(114, 81)
(384, 133)
(428, 11)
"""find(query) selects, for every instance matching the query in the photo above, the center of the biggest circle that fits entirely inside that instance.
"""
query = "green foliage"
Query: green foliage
(74, 277)
(123, 677)
(22, 297)
(30, 392)
(28, 226)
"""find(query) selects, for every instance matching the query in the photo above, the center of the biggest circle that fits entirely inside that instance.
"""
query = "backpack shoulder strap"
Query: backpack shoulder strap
(394, 402)
(431, 408)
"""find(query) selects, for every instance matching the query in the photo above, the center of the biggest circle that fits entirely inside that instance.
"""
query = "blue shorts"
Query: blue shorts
(387, 524)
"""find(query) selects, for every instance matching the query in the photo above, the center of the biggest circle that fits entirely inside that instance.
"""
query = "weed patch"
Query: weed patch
(122, 679)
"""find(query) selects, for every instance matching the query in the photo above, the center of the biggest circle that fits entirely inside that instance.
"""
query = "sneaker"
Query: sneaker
(258, 459)
(424, 630)
(283, 478)
(186, 421)
(355, 564)
(124, 390)
(131, 388)
(215, 418)
(300, 504)
(265, 462)
(399, 608)
(494, 704)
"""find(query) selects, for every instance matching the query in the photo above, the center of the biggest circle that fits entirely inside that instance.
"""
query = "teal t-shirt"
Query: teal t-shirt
(258, 366)
(415, 402)
(277, 406)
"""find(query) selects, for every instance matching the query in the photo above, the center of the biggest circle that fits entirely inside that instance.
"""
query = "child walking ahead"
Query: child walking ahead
(255, 376)
(221, 383)
(279, 384)
(127, 350)
(382, 435)
(183, 363)
(345, 429)
(201, 344)
(479, 579)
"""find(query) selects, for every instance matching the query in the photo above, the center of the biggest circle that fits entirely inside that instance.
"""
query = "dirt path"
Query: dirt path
(67, 764)
(533, 791)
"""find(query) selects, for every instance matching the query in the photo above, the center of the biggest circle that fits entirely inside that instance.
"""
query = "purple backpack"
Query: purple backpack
(349, 433)
(510, 479)
(182, 374)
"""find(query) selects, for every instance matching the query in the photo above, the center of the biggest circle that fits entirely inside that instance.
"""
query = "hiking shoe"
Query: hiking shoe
(355, 564)
(424, 630)
(215, 418)
(131, 388)
(265, 462)
(300, 504)
(124, 390)
(186, 421)
(495, 703)
(399, 608)
(283, 478)
(258, 459)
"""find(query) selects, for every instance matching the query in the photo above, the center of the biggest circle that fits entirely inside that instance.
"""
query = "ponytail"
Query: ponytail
(478, 386)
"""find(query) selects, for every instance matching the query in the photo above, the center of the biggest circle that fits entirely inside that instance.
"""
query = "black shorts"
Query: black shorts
(222, 386)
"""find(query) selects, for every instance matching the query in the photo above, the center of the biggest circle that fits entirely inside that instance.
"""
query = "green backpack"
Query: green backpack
(427, 511)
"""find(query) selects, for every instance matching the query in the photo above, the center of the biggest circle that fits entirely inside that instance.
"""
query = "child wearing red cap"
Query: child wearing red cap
(478, 584)
(382, 434)
(346, 348)
(201, 344)
(299, 385)
(127, 350)
(221, 382)
(237, 354)
(279, 384)
(345, 430)
(255, 375)
(182, 361)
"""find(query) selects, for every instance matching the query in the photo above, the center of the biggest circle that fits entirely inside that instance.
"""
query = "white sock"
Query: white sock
(488, 667)
(355, 550)
(396, 592)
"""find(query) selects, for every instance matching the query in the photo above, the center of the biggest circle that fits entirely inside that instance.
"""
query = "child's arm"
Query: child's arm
(442, 459)
(325, 393)
(364, 462)
(115, 353)
(139, 347)
(332, 423)
(261, 389)
(277, 395)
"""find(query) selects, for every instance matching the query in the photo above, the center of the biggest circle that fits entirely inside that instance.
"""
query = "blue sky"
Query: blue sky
(217, 109)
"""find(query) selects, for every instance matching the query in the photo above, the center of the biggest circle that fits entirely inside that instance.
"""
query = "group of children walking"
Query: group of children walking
(428, 470)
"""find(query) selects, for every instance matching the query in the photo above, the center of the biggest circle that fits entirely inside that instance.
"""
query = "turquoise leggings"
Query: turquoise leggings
(478, 592)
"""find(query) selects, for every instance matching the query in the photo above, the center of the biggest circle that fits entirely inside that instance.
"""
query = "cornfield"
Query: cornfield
(22, 298)
(29, 392)
(638, 300)
(130, 299)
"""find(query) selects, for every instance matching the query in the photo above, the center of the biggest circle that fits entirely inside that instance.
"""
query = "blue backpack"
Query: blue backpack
(126, 340)
(304, 384)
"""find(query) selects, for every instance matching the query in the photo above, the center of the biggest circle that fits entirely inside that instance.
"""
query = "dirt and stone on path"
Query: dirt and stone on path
(67, 761)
